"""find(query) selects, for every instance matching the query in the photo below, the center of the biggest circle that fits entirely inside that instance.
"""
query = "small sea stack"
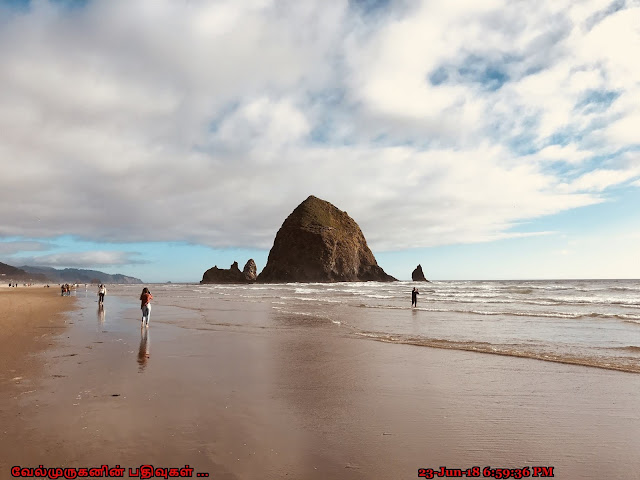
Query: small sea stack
(320, 243)
(232, 274)
(418, 275)
(250, 271)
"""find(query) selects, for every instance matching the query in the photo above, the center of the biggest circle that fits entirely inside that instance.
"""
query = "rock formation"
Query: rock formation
(320, 243)
(250, 271)
(417, 275)
(231, 275)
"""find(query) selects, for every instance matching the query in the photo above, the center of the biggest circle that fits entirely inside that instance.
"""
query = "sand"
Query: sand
(201, 388)
(29, 318)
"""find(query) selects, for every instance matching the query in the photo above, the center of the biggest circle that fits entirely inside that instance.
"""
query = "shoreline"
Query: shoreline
(448, 345)
(240, 401)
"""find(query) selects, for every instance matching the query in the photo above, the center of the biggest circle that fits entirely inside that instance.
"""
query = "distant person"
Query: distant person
(62, 290)
(102, 291)
(145, 306)
(414, 297)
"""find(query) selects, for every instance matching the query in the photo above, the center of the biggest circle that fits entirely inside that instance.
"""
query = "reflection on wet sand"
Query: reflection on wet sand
(144, 350)
(101, 316)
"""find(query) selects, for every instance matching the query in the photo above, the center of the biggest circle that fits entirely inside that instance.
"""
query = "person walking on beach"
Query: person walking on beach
(145, 305)
(414, 297)
(102, 291)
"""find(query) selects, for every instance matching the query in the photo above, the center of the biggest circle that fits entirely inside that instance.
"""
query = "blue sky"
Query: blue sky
(479, 139)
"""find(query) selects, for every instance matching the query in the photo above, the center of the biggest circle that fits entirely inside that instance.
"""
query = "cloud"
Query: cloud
(9, 248)
(429, 122)
(601, 179)
(80, 259)
(563, 153)
(600, 15)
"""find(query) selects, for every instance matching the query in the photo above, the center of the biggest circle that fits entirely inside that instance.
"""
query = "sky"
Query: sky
(493, 139)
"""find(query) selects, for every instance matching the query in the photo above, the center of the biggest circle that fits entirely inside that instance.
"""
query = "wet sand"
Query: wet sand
(29, 318)
(222, 392)
(32, 319)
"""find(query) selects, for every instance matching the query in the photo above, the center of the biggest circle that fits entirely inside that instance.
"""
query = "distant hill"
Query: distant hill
(79, 275)
(8, 273)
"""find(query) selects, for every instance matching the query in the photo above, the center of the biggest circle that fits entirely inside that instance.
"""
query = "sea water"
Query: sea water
(585, 322)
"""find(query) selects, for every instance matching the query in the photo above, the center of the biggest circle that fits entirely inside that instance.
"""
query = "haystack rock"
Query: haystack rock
(320, 243)
(231, 275)
(418, 275)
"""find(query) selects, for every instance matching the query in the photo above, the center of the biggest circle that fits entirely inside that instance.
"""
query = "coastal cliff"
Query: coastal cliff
(232, 274)
(320, 243)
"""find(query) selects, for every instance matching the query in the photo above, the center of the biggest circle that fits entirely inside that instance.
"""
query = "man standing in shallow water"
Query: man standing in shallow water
(414, 297)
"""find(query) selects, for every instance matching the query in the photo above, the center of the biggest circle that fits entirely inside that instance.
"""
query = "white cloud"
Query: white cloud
(625, 130)
(567, 153)
(599, 180)
(273, 124)
(430, 123)
(9, 248)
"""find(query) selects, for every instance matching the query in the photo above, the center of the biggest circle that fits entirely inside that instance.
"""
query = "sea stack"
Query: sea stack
(320, 243)
(418, 275)
(250, 271)
(231, 275)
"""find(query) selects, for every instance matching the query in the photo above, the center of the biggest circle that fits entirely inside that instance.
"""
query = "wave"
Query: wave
(539, 301)
(624, 289)
(307, 290)
(314, 299)
(625, 364)
(629, 348)
(522, 291)
(619, 316)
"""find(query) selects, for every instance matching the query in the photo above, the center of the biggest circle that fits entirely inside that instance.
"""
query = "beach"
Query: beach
(29, 319)
(242, 390)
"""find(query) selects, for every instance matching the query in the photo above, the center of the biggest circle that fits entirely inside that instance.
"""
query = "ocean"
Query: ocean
(594, 323)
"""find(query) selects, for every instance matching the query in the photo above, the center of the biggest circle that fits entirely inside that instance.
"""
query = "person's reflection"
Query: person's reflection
(143, 351)
(101, 316)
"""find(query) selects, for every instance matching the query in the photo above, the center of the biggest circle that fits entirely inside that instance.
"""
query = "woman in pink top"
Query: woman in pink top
(145, 305)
